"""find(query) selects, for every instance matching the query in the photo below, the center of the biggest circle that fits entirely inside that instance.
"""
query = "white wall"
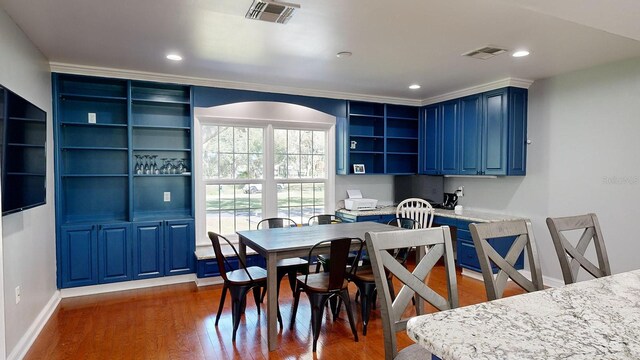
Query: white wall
(585, 157)
(28, 238)
(372, 186)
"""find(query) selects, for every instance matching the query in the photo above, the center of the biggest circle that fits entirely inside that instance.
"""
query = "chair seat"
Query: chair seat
(318, 282)
(292, 262)
(413, 352)
(240, 276)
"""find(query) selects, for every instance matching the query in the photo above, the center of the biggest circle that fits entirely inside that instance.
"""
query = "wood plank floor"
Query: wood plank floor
(177, 322)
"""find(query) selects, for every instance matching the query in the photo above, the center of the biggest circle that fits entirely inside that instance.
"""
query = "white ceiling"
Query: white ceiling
(394, 43)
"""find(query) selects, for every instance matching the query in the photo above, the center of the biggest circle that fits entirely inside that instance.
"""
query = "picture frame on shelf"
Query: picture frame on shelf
(358, 168)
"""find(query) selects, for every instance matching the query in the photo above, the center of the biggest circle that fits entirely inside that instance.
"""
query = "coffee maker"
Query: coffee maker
(450, 201)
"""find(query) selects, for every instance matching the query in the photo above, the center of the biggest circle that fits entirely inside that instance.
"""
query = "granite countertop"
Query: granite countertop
(596, 319)
(467, 215)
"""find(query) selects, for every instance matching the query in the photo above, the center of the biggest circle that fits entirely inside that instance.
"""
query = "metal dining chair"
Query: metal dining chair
(321, 287)
(484, 234)
(290, 266)
(571, 257)
(324, 219)
(436, 244)
(237, 282)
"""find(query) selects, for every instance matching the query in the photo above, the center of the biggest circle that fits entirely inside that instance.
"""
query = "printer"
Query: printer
(357, 202)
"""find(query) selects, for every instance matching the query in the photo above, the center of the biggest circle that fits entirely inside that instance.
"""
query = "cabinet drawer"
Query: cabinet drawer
(467, 256)
(441, 220)
(464, 235)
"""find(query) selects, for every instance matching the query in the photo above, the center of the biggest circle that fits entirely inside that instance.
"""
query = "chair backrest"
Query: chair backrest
(324, 219)
(276, 222)
(416, 209)
(572, 257)
(339, 252)
(436, 242)
(221, 259)
(405, 223)
(484, 234)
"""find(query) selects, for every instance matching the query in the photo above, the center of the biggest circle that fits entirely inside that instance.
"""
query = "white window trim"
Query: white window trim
(315, 120)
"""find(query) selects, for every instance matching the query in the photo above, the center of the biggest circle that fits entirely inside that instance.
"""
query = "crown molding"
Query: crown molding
(188, 80)
(515, 82)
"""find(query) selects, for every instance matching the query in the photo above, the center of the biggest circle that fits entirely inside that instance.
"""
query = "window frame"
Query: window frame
(269, 198)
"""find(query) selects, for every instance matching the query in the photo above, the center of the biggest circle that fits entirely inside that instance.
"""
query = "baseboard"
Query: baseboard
(126, 285)
(215, 280)
(548, 281)
(23, 346)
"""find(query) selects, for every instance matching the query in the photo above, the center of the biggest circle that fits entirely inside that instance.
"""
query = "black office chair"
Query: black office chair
(290, 267)
(237, 282)
(320, 287)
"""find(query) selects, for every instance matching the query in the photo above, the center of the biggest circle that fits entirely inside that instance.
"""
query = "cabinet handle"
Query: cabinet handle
(100, 227)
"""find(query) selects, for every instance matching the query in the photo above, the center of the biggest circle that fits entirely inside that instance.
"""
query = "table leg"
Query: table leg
(242, 251)
(420, 253)
(272, 302)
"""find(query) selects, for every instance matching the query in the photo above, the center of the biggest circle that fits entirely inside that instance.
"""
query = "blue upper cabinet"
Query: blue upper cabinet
(483, 134)
(382, 137)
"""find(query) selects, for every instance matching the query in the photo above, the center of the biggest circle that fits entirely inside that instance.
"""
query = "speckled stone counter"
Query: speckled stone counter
(596, 319)
(467, 215)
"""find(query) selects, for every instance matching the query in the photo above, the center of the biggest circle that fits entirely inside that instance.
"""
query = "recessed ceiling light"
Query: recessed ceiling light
(414, 87)
(174, 57)
(520, 53)
(343, 54)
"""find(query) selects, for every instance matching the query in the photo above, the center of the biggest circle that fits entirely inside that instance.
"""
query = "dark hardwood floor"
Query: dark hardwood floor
(177, 322)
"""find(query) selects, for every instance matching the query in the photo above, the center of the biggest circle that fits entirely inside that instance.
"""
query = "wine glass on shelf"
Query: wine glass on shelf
(138, 168)
(172, 167)
(184, 166)
(163, 168)
(147, 168)
(180, 167)
(154, 165)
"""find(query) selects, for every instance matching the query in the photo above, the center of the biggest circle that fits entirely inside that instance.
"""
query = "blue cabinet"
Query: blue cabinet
(114, 140)
(114, 253)
(78, 255)
(382, 137)
(179, 247)
(482, 134)
(349, 218)
(440, 145)
(148, 250)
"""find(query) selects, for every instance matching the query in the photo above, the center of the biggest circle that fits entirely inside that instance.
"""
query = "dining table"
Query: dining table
(289, 242)
(593, 319)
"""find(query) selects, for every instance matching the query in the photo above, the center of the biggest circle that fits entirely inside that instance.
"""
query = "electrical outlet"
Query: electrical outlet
(92, 118)
(460, 191)
(167, 196)
(17, 294)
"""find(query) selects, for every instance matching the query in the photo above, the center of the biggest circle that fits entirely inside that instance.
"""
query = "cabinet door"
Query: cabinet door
(431, 151)
(470, 135)
(494, 144)
(517, 163)
(449, 139)
(114, 253)
(148, 250)
(179, 247)
(79, 256)
(342, 146)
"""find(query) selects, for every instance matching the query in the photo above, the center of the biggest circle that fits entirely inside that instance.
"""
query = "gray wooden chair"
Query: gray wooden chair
(572, 257)
(484, 234)
(436, 243)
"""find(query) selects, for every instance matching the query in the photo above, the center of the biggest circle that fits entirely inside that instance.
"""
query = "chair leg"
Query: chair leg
(222, 298)
(344, 294)
(317, 308)
(294, 309)
(367, 296)
(256, 297)
(238, 294)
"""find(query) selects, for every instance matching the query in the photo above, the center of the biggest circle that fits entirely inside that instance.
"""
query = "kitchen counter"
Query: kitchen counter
(595, 319)
(467, 215)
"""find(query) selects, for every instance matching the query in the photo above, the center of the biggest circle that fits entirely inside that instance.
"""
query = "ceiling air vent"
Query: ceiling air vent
(271, 11)
(485, 53)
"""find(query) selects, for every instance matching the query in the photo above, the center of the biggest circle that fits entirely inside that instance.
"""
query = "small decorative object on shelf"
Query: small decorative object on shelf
(353, 144)
(358, 168)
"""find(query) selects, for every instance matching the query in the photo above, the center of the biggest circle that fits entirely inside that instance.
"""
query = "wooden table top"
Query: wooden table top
(296, 238)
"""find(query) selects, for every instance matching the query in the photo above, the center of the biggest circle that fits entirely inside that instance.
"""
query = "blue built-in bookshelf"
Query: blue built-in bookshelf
(122, 147)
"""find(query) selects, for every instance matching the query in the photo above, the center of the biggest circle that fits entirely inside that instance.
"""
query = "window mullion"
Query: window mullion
(269, 194)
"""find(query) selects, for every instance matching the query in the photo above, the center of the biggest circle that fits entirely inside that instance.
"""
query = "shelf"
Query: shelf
(92, 124)
(161, 127)
(366, 136)
(160, 149)
(162, 175)
(367, 152)
(402, 138)
(27, 119)
(63, 148)
(402, 118)
(401, 153)
(368, 116)
(25, 174)
(159, 101)
(162, 216)
(71, 96)
(26, 145)
(94, 175)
